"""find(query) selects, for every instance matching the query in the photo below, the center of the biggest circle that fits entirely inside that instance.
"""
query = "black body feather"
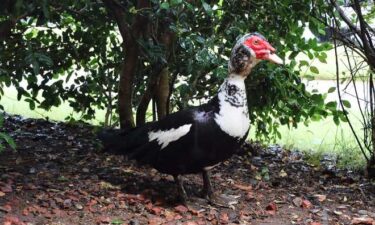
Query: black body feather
(204, 145)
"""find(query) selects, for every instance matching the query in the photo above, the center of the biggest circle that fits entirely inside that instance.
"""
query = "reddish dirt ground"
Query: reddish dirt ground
(59, 176)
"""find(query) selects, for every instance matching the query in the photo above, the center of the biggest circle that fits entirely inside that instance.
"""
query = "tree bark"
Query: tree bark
(130, 34)
(147, 95)
(162, 93)
(6, 29)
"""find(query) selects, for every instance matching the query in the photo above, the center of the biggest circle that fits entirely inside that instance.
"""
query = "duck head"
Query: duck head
(248, 52)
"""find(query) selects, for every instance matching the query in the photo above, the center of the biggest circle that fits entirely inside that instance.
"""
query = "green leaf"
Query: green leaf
(8, 139)
(293, 55)
(164, 5)
(314, 69)
(175, 2)
(32, 105)
(117, 221)
(343, 117)
(309, 77)
(310, 55)
(332, 105)
(331, 89)
(336, 120)
(303, 63)
(346, 103)
(206, 7)
(322, 60)
(133, 10)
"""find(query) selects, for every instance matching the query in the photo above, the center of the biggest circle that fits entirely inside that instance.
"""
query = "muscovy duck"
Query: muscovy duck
(196, 139)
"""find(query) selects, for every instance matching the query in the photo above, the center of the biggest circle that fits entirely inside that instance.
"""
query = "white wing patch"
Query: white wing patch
(164, 137)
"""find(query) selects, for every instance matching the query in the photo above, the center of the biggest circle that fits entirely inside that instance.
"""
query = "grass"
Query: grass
(324, 137)
(327, 71)
(13, 106)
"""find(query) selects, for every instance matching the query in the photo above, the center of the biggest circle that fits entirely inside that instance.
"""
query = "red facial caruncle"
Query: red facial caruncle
(262, 49)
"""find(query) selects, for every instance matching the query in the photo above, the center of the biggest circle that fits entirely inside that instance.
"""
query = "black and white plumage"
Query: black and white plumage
(195, 139)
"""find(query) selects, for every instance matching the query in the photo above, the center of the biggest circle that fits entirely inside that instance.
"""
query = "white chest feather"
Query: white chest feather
(164, 137)
(233, 117)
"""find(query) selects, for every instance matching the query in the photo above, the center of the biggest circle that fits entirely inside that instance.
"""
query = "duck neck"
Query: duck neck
(233, 91)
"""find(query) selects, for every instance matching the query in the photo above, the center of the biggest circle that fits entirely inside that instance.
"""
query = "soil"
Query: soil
(59, 175)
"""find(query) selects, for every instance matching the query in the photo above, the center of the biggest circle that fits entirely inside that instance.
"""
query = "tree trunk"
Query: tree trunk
(6, 27)
(125, 94)
(145, 100)
(162, 93)
(130, 48)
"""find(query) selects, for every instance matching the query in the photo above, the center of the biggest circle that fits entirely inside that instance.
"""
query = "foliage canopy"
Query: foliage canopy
(99, 54)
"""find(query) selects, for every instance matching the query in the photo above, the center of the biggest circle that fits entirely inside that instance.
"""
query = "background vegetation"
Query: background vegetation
(127, 57)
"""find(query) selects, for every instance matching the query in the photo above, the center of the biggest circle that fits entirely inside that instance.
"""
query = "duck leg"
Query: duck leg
(209, 194)
(181, 190)
(207, 185)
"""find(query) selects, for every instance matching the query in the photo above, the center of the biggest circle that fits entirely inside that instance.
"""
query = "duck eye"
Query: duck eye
(256, 42)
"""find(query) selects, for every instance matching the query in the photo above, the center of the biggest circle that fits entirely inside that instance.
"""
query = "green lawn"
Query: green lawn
(327, 71)
(12, 106)
(324, 137)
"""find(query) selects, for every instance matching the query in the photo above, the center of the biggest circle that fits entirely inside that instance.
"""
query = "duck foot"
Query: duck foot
(212, 198)
(222, 201)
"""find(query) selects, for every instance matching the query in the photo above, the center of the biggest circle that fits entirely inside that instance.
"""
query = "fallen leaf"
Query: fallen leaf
(243, 187)
(282, 173)
(6, 208)
(12, 220)
(25, 212)
(58, 212)
(78, 206)
(224, 218)
(297, 201)
(337, 212)
(156, 210)
(271, 208)
(306, 204)
(321, 198)
(103, 219)
(363, 221)
(190, 223)
(48, 215)
(155, 221)
(169, 215)
(181, 209)
(178, 217)
(6, 189)
(315, 223)
(249, 196)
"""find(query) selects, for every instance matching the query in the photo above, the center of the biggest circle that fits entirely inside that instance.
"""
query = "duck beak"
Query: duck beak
(272, 57)
(265, 51)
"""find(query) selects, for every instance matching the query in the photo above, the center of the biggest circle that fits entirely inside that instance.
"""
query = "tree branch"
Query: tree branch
(344, 17)
(119, 15)
(342, 105)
